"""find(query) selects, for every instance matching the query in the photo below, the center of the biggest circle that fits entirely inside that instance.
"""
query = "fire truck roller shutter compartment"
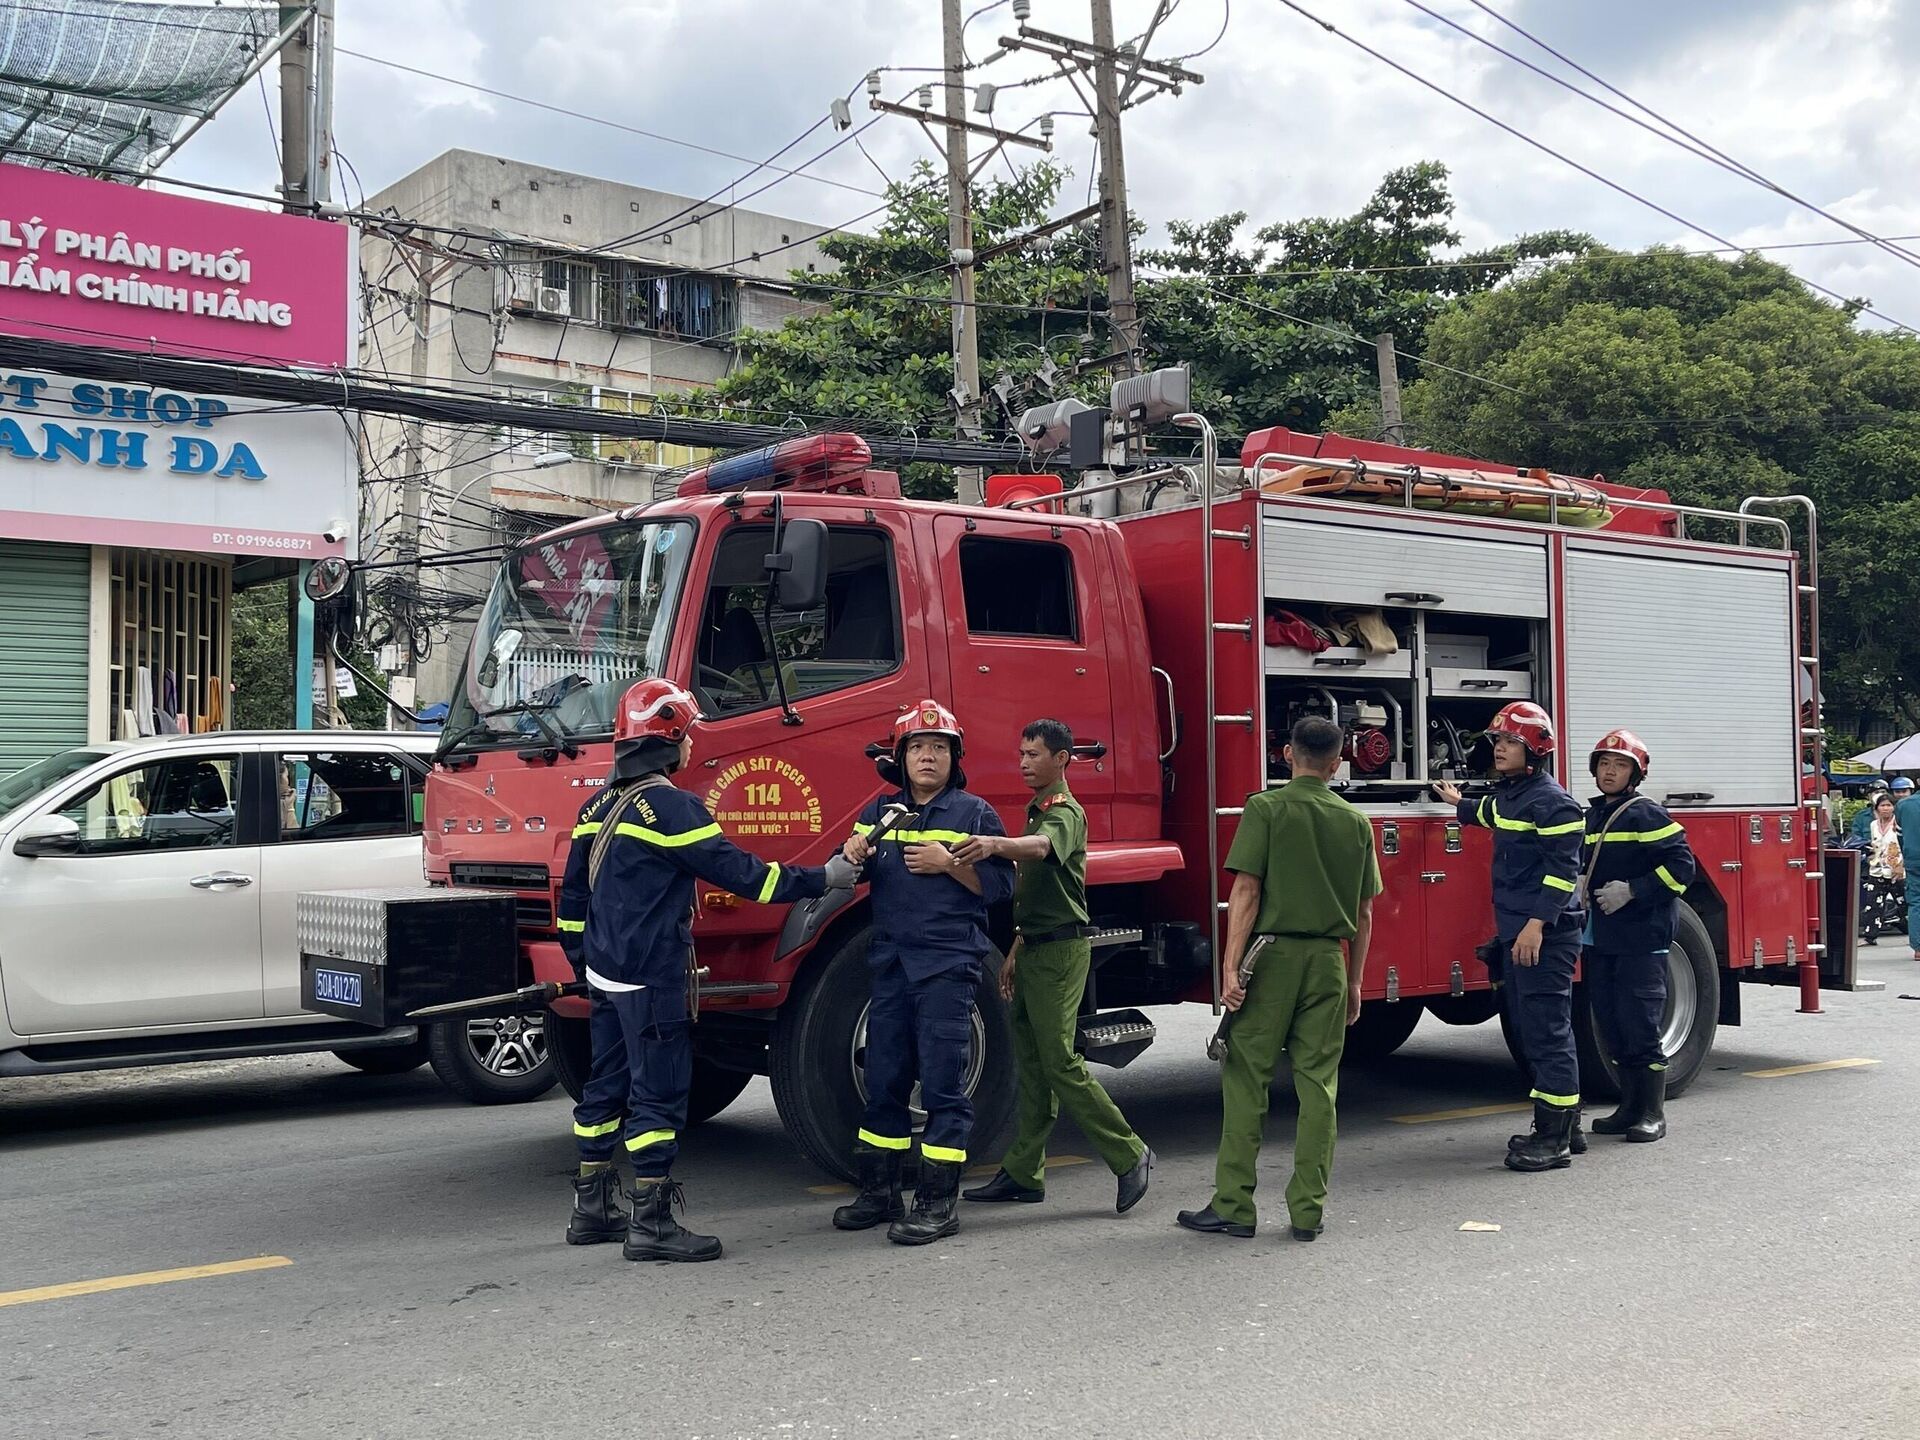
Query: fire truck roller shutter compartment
(1405, 565)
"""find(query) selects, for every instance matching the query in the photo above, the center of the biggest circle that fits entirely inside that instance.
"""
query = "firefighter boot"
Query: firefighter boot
(933, 1205)
(653, 1233)
(597, 1216)
(1632, 1104)
(879, 1199)
(1547, 1147)
(1652, 1124)
(1576, 1139)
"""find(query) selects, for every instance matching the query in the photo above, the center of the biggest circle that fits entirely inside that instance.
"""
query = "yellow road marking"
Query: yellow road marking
(1809, 1069)
(978, 1172)
(1471, 1112)
(147, 1277)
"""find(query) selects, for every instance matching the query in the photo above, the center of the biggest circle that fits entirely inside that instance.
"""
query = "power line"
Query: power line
(1680, 139)
(1567, 160)
(593, 119)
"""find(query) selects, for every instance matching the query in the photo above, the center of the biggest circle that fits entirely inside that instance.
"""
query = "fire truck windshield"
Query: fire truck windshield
(570, 624)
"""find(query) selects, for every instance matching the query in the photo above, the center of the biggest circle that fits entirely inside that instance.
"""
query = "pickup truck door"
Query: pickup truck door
(154, 922)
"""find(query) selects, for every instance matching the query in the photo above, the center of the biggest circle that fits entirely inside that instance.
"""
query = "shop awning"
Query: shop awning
(111, 87)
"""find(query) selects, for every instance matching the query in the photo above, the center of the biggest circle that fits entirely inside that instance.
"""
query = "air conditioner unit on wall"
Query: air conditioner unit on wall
(553, 300)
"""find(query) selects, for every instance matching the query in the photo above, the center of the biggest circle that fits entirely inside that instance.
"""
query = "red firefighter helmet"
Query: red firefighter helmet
(929, 717)
(654, 709)
(1527, 723)
(1627, 746)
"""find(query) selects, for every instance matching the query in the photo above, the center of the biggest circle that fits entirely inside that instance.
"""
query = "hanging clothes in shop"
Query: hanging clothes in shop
(166, 719)
(143, 701)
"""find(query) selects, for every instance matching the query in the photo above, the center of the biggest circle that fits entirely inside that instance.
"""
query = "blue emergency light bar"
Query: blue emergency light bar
(807, 462)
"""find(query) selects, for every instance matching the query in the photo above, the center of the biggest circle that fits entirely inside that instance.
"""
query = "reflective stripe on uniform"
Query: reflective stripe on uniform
(946, 1155)
(652, 1137)
(929, 837)
(1666, 879)
(1640, 835)
(570, 926)
(588, 827)
(860, 827)
(883, 1142)
(1564, 1102)
(1566, 829)
(657, 837)
(768, 886)
(594, 1132)
(1555, 882)
(1501, 822)
(1480, 811)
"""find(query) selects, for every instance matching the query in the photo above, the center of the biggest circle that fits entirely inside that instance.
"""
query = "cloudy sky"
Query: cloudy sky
(1816, 95)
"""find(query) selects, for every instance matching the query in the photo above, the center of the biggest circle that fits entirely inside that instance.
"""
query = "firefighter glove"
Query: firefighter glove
(841, 873)
(1614, 894)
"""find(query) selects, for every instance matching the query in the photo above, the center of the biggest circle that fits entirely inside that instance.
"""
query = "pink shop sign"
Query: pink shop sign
(88, 262)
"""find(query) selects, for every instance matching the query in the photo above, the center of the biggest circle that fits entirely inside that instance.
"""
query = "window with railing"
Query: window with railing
(621, 295)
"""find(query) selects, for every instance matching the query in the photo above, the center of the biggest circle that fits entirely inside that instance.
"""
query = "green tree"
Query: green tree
(263, 664)
(1273, 332)
(1281, 332)
(1713, 380)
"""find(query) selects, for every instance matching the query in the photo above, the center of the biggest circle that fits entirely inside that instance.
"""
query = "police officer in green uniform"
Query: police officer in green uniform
(1305, 874)
(1044, 978)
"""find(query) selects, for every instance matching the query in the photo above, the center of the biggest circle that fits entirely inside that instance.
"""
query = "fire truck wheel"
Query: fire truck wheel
(1381, 1029)
(817, 1067)
(386, 1059)
(571, 1049)
(492, 1062)
(1688, 1028)
(714, 1088)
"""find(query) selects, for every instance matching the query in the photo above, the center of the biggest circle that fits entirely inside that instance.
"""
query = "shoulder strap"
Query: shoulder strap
(1593, 860)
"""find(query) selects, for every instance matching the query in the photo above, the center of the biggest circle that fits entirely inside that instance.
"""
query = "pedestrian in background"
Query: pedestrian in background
(1305, 874)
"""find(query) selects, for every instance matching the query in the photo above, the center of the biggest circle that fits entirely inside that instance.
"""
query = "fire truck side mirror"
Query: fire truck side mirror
(800, 569)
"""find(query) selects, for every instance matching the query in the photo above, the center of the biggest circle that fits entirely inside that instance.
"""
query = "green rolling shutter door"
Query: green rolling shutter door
(44, 592)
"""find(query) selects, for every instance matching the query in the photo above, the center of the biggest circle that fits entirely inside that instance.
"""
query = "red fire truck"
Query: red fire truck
(1404, 593)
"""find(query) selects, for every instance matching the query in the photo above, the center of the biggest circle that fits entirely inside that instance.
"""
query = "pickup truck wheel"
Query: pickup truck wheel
(1688, 1026)
(500, 1061)
(386, 1059)
(817, 1061)
(1381, 1029)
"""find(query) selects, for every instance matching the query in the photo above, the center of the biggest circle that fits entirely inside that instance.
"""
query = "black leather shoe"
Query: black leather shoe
(1133, 1184)
(1208, 1223)
(1300, 1232)
(1004, 1187)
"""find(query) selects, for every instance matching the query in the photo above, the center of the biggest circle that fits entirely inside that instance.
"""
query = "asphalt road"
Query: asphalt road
(1753, 1276)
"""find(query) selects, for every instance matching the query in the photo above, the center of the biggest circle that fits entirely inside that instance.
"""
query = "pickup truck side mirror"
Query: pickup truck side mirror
(48, 835)
(799, 570)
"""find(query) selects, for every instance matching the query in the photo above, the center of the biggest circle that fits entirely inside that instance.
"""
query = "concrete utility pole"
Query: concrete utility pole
(1116, 75)
(1391, 428)
(306, 109)
(966, 330)
(1116, 245)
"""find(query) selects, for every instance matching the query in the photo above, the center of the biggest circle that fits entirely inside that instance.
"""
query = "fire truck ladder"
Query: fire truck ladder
(1813, 742)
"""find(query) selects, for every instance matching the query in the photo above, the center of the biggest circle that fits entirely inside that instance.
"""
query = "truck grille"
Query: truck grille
(532, 912)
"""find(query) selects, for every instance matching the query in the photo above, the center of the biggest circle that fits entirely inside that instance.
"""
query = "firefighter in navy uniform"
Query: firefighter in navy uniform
(1638, 865)
(626, 922)
(927, 956)
(1536, 829)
